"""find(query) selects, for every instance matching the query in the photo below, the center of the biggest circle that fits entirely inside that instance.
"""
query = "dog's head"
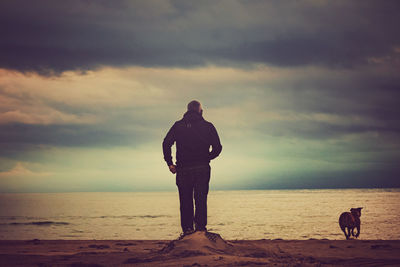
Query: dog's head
(356, 212)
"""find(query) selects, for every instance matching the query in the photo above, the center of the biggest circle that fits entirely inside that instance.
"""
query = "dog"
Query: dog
(350, 220)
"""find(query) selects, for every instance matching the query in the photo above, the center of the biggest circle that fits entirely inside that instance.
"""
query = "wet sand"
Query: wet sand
(199, 249)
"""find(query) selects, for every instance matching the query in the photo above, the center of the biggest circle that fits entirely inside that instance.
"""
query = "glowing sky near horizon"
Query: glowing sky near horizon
(301, 97)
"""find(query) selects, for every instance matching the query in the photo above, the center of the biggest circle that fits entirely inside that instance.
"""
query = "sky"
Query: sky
(303, 94)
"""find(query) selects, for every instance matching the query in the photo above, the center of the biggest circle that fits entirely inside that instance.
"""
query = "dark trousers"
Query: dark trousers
(192, 183)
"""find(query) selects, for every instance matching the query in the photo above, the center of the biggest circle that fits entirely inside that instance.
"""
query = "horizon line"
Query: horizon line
(216, 190)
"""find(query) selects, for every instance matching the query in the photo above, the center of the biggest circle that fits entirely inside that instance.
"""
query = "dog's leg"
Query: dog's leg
(344, 231)
(348, 233)
(358, 231)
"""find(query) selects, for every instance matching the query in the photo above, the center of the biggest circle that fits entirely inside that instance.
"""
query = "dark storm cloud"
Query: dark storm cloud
(69, 135)
(374, 99)
(322, 130)
(117, 127)
(53, 36)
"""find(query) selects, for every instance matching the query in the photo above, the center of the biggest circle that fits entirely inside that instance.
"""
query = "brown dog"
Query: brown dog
(350, 220)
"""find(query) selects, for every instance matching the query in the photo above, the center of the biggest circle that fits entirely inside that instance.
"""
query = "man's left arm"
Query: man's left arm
(215, 143)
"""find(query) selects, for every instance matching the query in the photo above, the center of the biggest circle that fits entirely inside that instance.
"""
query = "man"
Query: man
(193, 136)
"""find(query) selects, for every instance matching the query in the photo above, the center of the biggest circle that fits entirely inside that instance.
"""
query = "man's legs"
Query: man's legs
(201, 182)
(184, 181)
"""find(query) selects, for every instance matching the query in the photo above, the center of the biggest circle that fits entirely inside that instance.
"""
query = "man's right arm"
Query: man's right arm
(169, 140)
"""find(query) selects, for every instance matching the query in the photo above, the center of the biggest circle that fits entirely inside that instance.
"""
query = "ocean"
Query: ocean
(255, 214)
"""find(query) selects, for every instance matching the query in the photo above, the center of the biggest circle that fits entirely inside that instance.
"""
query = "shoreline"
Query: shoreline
(196, 250)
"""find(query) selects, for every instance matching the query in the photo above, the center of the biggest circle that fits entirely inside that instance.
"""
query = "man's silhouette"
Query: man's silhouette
(193, 136)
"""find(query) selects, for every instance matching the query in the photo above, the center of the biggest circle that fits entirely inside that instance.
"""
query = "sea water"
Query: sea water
(256, 214)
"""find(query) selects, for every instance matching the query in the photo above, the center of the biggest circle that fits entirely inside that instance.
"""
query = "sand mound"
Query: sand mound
(198, 243)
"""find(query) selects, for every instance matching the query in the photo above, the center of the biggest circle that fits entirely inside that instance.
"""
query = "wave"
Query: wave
(39, 223)
(134, 216)
(44, 220)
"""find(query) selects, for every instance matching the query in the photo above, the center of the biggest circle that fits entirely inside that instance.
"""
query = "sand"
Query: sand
(200, 249)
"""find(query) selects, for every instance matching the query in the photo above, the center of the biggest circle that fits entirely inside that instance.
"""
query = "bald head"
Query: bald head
(195, 106)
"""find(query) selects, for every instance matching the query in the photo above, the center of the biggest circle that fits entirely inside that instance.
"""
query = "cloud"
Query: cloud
(19, 170)
(131, 106)
(56, 36)
(279, 127)
(300, 92)
(44, 116)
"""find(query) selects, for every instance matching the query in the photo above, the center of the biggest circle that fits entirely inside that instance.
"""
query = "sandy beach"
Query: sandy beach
(199, 249)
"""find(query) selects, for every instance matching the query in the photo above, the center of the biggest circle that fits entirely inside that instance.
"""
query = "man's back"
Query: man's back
(193, 136)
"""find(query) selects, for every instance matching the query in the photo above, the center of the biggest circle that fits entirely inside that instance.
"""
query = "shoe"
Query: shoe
(185, 233)
(201, 229)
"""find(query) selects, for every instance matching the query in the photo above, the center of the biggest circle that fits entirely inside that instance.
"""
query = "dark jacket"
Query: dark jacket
(193, 136)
